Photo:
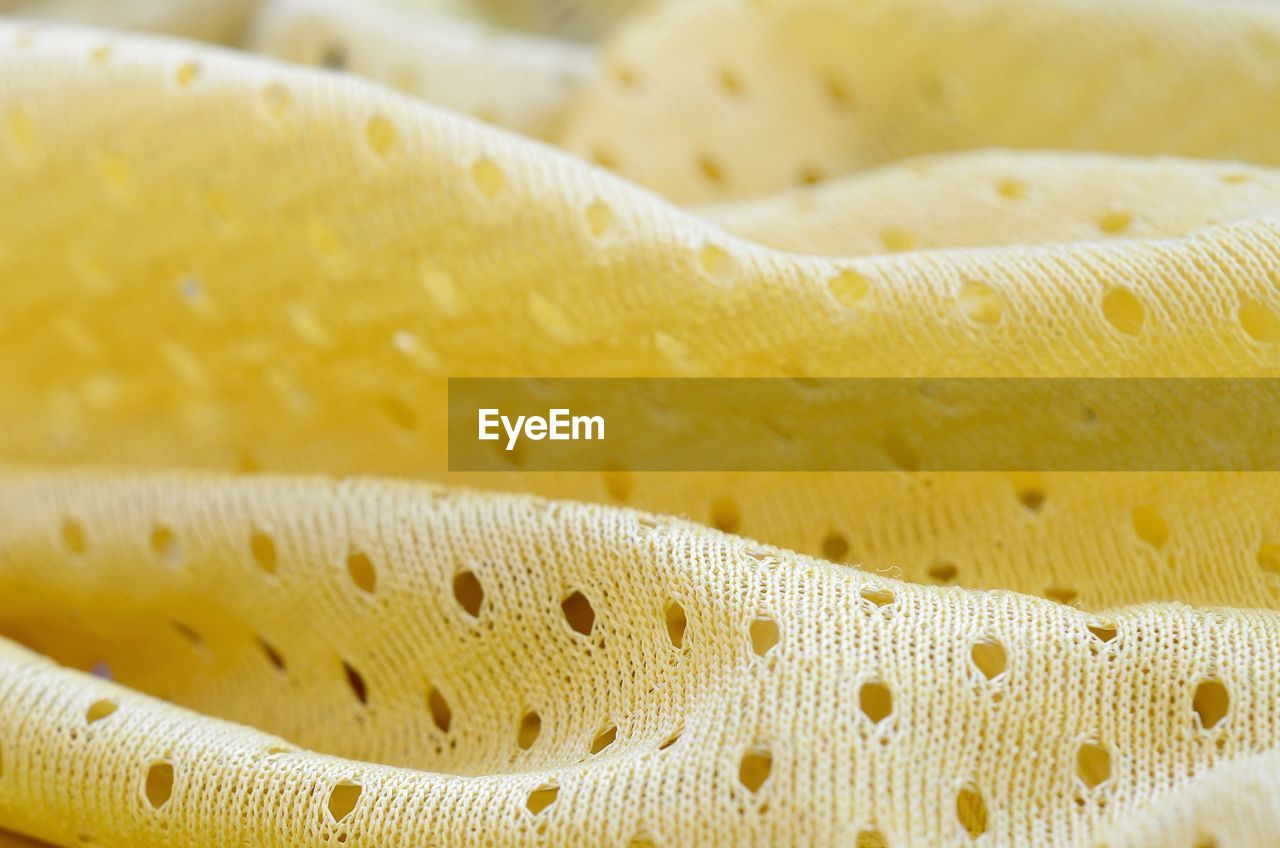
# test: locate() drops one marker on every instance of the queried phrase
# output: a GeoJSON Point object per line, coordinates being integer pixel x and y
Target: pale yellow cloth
{"type": "Point", "coordinates": [517, 81]}
{"type": "Point", "coordinates": [208, 20]}
{"type": "Point", "coordinates": [250, 271]}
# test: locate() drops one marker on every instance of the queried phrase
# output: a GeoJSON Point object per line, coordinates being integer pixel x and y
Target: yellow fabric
{"type": "Point", "coordinates": [849, 693]}
{"type": "Point", "coordinates": [516, 81]}
{"type": "Point", "coordinates": [1002, 197]}
{"type": "Point", "coordinates": [250, 271]}
{"type": "Point", "coordinates": [208, 20]}
{"type": "Point", "coordinates": [775, 93]}
{"type": "Point", "coordinates": [580, 19]}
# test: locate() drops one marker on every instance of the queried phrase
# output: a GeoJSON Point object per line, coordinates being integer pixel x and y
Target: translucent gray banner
{"type": "Point", "coordinates": [864, 424]}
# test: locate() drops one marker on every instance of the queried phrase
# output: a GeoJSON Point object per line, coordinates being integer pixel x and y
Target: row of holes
{"type": "Point", "coordinates": [982, 304]}
{"type": "Point", "coordinates": [756, 766]}
{"type": "Point", "coordinates": [897, 240]}
{"type": "Point", "coordinates": [1210, 701]}
{"type": "Point", "coordinates": [343, 796]}
{"type": "Point", "coordinates": [1210, 704]}
{"type": "Point", "coordinates": [577, 609]}
{"type": "Point", "coordinates": [1092, 764]}
{"type": "Point", "coordinates": [1147, 521]}
{"type": "Point", "coordinates": [841, 98]}
{"type": "Point", "coordinates": [381, 134]}
{"type": "Point", "coordinates": [1122, 309]}
{"type": "Point", "coordinates": [712, 171]}
{"type": "Point", "coordinates": [468, 592]}
{"type": "Point", "coordinates": [1120, 306]}
{"type": "Point", "coordinates": [1149, 525]}
{"type": "Point", "coordinates": [467, 589]}
{"type": "Point", "coordinates": [732, 83]}
{"type": "Point", "coordinates": [575, 606]}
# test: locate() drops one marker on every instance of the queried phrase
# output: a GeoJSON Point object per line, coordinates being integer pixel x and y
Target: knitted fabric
{"type": "Point", "coordinates": [236, 287]}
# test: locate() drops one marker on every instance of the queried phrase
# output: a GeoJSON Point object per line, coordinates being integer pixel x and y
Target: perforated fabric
{"type": "Point", "coordinates": [564, 658]}
{"type": "Point", "coordinates": [261, 271]}
{"type": "Point", "coordinates": [520, 82]}
{"type": "Point", "coordinates": [772, 94]}
{"type": "Point", "coordinates": [1002, 197]}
